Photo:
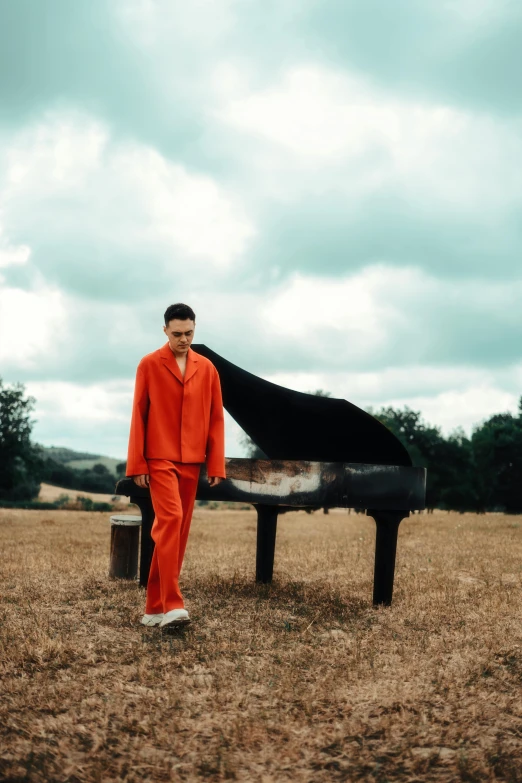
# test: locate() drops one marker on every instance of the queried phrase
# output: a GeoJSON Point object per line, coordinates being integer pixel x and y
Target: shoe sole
{"type": "Point", "coordinates": [175, 624]}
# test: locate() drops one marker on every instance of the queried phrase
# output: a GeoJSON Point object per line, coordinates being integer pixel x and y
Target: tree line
{"type": "Point", "coordinates": [479, 473]}
{"type": "Point", "coordinates": [24, 464]}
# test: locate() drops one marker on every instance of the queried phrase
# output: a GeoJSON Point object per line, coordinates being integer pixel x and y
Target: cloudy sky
{"type": "Point", "coordinates": [335, 187]}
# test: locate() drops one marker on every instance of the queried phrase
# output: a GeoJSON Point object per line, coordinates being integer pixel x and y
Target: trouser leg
{"type": "Point", "coordinates": [173, 488]}
{"type": "Point", "coordinates": [153, 603]}
{"type": "Point", "coordinates": [188, 485]}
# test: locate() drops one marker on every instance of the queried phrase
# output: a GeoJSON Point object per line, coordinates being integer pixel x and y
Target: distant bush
{"type": "Point", "coordinates": [88, 504]}
{"type": "Point", "coordinates": [34, 504]}
{"type": "Point", "coordinates": [102, 507]}
{"type": "Point", "coordinates": [64, 503]}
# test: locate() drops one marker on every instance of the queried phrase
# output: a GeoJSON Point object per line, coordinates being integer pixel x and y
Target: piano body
{"type": "Point", "coordinates": [322, 452]}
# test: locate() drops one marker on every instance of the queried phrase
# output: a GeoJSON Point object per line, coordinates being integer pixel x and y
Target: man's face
{"type": "Point", "coordinates": [180, 334]}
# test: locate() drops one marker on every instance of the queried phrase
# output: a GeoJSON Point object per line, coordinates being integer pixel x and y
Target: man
{"type": "Point", "coordinates": [177, 423]}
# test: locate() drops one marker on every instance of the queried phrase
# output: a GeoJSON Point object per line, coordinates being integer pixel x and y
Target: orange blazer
{"type": "Point", "coordinates": [176, 418]}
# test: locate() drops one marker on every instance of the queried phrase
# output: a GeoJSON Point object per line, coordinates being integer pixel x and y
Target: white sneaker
{"type": "Point", "coordinates": [175, 618]}
{"type": "Point", "coordinates": [152, 619]}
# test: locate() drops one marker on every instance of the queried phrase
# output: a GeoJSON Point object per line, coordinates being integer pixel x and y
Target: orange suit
{"type": "Point", "coordinates": [177, 423]}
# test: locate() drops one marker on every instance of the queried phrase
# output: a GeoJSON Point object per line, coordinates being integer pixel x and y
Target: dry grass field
{"type": "Point", "coordinates": [301, 680]}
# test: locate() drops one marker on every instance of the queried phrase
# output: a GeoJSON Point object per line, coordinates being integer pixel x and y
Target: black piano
{"type": "Point", "coordinates": [321, 453]}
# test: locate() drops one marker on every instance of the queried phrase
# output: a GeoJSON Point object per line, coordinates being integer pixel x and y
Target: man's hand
{"type": "Point", "coordinates": [142, 481]}
{"type": "Point", "coordinates": [214, 480]}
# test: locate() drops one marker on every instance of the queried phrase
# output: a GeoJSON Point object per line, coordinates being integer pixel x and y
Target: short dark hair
{"type": "Point", "coordinates": [180, 311]}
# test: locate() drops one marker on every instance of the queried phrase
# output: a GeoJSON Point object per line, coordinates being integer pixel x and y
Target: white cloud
{"type": "Point", "coordinates": [201, 22]}
{"type": "Point", "coordinates": [335, 129]}
{"type": "Point", "coordinates": [459, 407]}
{"type": "Point", "coordinates": [95, 403]}
{"type": "Point", "coordinates": [389, 316]}
{"type": "Point", "coordinates": [58, 154]}
{"type": "Point", "coordinates": [479, 13]}
{"type": "Point", "coordinates": [68, 186]}
{"type": "Point", "coordinates": [186, 211]}
{"type": "Point", "coordinates": [32, 325]}
{"type": "Point", "coordinates": [371, 388]}
{"type": "Point", "coordinates": [381, 318]}
{"type": "Point", "coordinates": [12, 255]}
{"type": "Point", "coordinates": [93, 417]}
{"type": "Point", "coordinates": [344, 319]}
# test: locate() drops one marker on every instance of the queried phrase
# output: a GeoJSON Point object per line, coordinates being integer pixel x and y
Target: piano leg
{"type": "Point", "coordinates": [266, 538]}
{"type": "Point", "coordinates": [385, 549]}
{"type": "Point", "coordinates": [147, 542]}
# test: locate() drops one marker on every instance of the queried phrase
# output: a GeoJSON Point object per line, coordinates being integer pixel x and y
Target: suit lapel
{"type": "Point", "coordinates": [169, 360]}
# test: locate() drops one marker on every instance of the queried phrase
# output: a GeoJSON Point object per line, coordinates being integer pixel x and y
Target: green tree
{"type": "Point", "coordinates": [497, 450]}
{"type": "Point", "coordinates": [20, 461]}
{"type": "Point", "coordinates": [101, 470]}
{"type": "Point", "coordinates": [456, 473]}
{"type": "Point", "coordinates": [57, 473]}
{"type": "Point", "coordinates": [426, 446]}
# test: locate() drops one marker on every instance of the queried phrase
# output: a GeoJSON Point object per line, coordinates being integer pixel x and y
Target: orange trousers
{"type": "Point", "coordinates": [173, 488]}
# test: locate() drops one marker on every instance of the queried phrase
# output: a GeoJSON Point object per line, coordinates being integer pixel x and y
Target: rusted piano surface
{"type": "Point", "coordinates": [324, 484]}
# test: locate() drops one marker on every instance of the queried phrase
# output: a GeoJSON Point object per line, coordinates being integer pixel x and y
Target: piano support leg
{"type": "Point", "coordinates": [147, 542]}
{"type": "Point", "coordinates": [266, 538]}
{"type": "Point", "coordinates": [385, 549]}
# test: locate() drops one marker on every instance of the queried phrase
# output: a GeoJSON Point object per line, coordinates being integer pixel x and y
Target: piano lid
{"type": "Point", "coordinates": [288, 424]}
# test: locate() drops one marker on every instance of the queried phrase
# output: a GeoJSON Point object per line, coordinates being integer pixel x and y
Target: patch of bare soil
{"type": "Point", "coordinates": [49, 493]}
{"type": "Point", "coordinates": [300, 680]}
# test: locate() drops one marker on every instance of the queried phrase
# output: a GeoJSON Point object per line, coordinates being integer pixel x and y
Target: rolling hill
{"type": "Point", "coordinates": [80, 460]}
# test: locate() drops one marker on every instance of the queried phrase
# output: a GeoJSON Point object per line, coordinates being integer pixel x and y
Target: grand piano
{"type": "Point", "coordinates": [321, 453]}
